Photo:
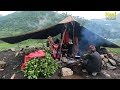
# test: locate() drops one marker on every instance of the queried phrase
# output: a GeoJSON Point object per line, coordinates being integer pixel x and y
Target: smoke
{"type": "Point", "coordinates": [87, 38]}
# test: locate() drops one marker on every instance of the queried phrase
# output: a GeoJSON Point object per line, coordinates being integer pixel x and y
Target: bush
{"type": "Point", "coordinates": [40, 67]}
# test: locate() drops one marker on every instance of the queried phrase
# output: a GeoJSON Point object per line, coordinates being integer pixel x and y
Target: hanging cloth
{"type": "Point", "coordinates": [66, 35]}
{"type": "Point", "coordinates": [66, 38]}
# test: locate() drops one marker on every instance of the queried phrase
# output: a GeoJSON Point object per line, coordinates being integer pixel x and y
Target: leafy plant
{"type": "Point", "coordinates": [40, 67]}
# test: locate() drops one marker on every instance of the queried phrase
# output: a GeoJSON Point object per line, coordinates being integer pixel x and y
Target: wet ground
{"type": "Point", "coordinates": [13, 65]}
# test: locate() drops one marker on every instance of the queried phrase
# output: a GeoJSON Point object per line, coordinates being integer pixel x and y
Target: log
{"type": "Point", "coordinates": [102, 56]}
{"type": "Point", "coordinates": [112, 62]}
{"type": "Point", "coordinates": [105, 60]}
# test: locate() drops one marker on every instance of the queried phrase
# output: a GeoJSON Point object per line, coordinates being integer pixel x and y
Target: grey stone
{"type": "Point", "coordinates": [110, 67]}
{"type": "Point", "coordinates": [71, 62]}
{"type": "Point", "coordinates": [106, 74]}
{"type": "Point", "coordinates": [64, 59]}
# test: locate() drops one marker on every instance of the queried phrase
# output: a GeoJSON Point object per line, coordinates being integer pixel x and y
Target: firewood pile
{"type": "Point", "coordinates": [108, 61]}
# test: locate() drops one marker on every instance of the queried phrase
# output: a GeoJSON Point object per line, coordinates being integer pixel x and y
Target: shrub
{"type": "Point", "coordinates": [40, 67]}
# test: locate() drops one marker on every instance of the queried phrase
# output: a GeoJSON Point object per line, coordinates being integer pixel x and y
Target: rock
{"type": "Point", "coordinates": [13, 49]}
{"type": "Point", "coordinates": [102, 56]}
{"type": "Point", "coordinates": [110, 67]}
{"type": "Point", "coordinates": [71, 62]}
{"type": "Point", "coordinates": [59, 62]}
{"type": "Point", "coordinates": [106, 74]}
{"type": "Point", "coordinates": [116, 74]}
{"type": "Point", "coordinates": [64, 59]}
{"type": "Point", "coordinates": [66, 72]}
{"type": "Point", "coordinates": [112, 62]}
{"type": "Point", "coordinates": [103, 62]}
{"type": "Point", "coordinates": [1, 69]}
{"type": "Point", "coordinates": [2, 64]}
{"type": "Point", "coordinates": [106, 60]}
{"type": "Point", "coordinates": [87, 76]}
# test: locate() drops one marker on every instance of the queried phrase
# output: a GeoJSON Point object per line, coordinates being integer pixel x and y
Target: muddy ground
{"type": "Point", "coordinates": [13, 65]}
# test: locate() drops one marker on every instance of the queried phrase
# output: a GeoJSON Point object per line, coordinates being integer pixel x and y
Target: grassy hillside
{"type": "Point", "coordinates": [26, 21]}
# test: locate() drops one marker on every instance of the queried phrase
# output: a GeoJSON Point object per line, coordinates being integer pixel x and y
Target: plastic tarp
{"type": "Point", "coordinates": [39, 53]}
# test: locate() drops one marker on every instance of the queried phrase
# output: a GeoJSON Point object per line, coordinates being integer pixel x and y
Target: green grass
{"type": "Point", "coordinates": [115, 51]}
{"type": "Point", "coordinates": [5, 46]}
{"type": "Point", "coordinates": [33, 43]}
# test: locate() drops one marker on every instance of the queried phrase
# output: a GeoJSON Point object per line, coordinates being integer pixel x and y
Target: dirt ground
{"type": "Point", "coordinates": [13, 65]}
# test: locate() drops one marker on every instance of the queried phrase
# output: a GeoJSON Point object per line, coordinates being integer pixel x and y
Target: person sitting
{"type": "Point", "coordinates": [94, 62]}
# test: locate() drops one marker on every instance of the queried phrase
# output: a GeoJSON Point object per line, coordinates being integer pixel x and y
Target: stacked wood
{"type": "Point", "coordinates": [107, 61]}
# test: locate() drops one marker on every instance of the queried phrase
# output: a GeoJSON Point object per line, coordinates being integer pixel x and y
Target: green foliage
{"type": "Point", "coordinates": [40, 67]}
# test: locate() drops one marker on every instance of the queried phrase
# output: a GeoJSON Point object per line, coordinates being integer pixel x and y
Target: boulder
{"type": "Point", "coordinates": [110, 67]}
{"type": "Point", "coordinates": [66, 72]}
{"type": "Point", "coordinates": [105, 60]}
{"type": "Point", "coordinates": [2, 64]}
{"type": "Point", "coordinates": [112, 62]}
